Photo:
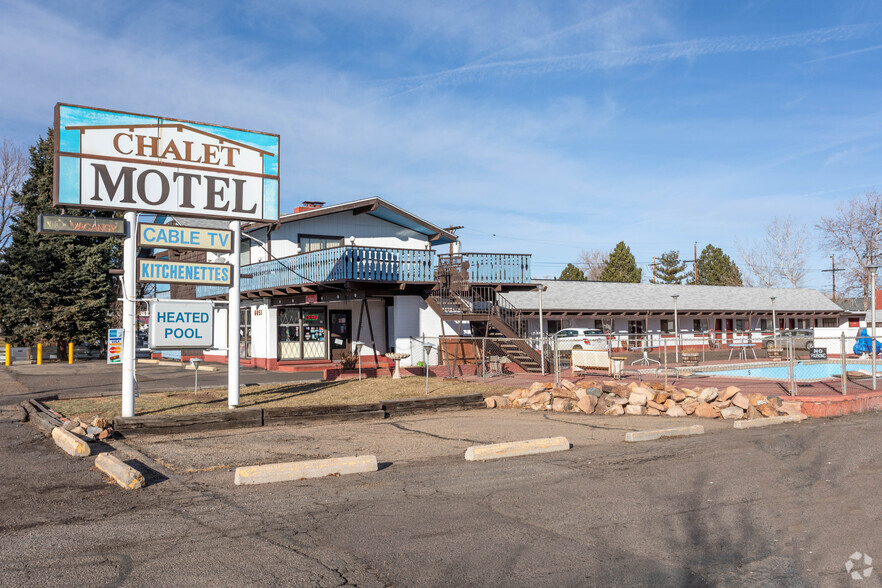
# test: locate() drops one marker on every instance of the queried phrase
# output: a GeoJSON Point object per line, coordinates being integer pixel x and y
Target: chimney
{"type": "Point", "coordinates": [308, 205]}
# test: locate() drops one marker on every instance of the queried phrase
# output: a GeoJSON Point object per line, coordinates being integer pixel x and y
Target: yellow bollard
{"type": "Point", "coordinates": [70, 353]}
{"type": "Point", "coordinates": [8, 354]}
{"type": "Point", "coordinates": [39, 354]}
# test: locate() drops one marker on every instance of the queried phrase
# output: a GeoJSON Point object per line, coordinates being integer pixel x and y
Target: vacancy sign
{"type": "Point", "coordinates": [194, 238]}
{"type": "Point", "coordinates": [120, 161]}
{"type": "Point", "coordinates": [181, 324]}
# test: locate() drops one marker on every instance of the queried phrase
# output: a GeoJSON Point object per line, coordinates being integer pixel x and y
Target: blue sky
{"type": "Point", "coordinates": [544, 128]}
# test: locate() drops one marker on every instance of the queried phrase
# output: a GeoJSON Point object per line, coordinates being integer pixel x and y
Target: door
{"type": "Point", "coordinates": [729, 328]}
{"type": "Point", "coordinates": [341, 333]}
{"type": "Point", "coordinates": [635, 333]}
{"type": "Point", "coordinates": [289, 333]}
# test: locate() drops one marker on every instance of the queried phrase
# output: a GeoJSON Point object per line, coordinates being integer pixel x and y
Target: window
{"type": "Point", "coordinates": [245, 334]}
{"type": "Point", "coordinates": [552, 326]}
{"type": "Point", "coordinates": [603, 325]}
{"type": "Point", "coordinates": [317, 242]}
{"type": "Point", "coordinates": [803, 324]}
{"type": "Point", "coordinates": [698, 326]}
{"type": "Point", "coordinates": [739, 325]}
{"type": "Point", "coordinates": [667, 326]}
{"type": "Point", "coordinates": [765, 325]}
{"type": "Point", "coordinates": [829, 322]}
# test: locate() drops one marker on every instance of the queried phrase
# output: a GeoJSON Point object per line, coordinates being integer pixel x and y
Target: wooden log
{"type": "Point", "coordinates": [286, 415]}
{"type": "Point", "coordinates": [464, 401]}
{"type": "Point", "coordinates": [189, 423]}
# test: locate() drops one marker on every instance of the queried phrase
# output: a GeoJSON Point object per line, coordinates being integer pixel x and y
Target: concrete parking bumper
{"type": "Point", "coordinates": [516, 448]}
{"type": "Point", "coordinates": [124, 475]}
{"type": "Point", "coordinates": [635, 436]}
{"type": "Point", "coordinates": [299, 470]}
{"type": "Point", "coordinates": [768, 421]}
{"type": "Point", "coordinates": [70, 443]}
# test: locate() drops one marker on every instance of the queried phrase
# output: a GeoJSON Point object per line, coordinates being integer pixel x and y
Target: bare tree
{"type": "Point", "coordinates": [779, 258]}
{"type": "Point", "coordinates": [592, 263]}
{"type": "Point", "coordinates": [855, 232]}
{"type": "Point", "coordinates": [13, 171]}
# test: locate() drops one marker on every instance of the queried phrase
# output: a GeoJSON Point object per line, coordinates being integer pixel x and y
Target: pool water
{"type": "Point", "coordinates": [801, 371]}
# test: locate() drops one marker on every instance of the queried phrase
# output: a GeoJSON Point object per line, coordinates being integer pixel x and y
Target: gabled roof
{"type": "Point", "coordinates": [379, 208]}
{"type": "Point", "coordinates": [621, 297]}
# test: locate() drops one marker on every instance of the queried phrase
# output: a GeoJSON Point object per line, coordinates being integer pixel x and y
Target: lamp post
{"type": "Point", "coordinates": [356, 347]}
{"type": "Point", "coordinates": [541, 288]}
{"type": "Point", "coordinates": [774, 323]}
{"type": "Point", "coordinates": [427, 349]}
{"type": "Point", "coordinates": [873, 269]}
{"type": "Point", "coordinates": [676, 330]}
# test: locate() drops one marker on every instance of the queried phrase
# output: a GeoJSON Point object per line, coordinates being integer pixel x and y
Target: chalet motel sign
{"type": "Point", "coordinates": [131, 162]}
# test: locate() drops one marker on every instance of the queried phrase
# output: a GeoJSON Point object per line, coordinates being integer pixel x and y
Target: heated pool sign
{"type": "Point", "coordinates": [181, 324]}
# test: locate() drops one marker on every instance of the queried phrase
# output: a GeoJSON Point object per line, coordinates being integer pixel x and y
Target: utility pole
{"type": "Point", "coordinates": [695, 261]}
{"type": "Point", "coordinates": [653, 270]}
{"type": "Point", "coordinates": [833, 271]}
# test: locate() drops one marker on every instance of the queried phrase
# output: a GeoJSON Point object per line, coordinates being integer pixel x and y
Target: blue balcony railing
{"type": "Point", "coordinates": [487, 268]}
{"type": "Point", "coordinates": [368, 264]}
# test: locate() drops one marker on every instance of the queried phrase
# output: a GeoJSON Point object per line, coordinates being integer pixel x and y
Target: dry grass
{"type": "Point", "coordinates": [344, 392]}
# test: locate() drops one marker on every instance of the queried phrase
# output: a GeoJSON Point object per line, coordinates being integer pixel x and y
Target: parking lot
{"type": "Point", "coordinates": [785, 505]}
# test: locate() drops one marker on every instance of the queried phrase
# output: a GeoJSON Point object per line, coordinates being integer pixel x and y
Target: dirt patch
{"type": "Point", "coordinates": [307, 394]}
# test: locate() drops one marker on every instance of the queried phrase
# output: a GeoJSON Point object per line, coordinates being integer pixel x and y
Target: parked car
{"type": "Point", "coordinates": [569, 339]}
{"type": "Point", "coordinates": [802, 339]}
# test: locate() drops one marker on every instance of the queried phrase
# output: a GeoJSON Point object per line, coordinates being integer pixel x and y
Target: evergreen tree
{"type": "Point", "coordinates": [621, 266]}
{"type": "Point", "coordinates": [53, 287]}
{"type": "Point", "coordinates": [571, 272]}
{"type": "Point", "coordinates": [715, 268]}
{"type": "Point", "coordinates": [670, 269]}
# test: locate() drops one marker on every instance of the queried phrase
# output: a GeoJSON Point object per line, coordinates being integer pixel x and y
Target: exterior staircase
{"type": "Point", "coordinates": [488, 312]}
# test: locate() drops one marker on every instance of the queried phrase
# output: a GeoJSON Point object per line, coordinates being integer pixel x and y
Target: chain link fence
{"type": "Point", "coordinates": [815, 365]}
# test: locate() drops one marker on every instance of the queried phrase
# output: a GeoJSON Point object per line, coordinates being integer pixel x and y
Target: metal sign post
{"type": "Point", "coordinates": [233, 317]}
{"type": "Point", "coordinates": [128, 348]}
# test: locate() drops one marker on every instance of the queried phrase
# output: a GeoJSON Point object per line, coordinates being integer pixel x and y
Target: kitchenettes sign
{"type": "Point", "coordinates": [123, 161]}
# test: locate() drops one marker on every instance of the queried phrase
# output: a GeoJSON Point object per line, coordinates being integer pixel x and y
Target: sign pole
{"type": "Point", "coordinates": [128, 347]}
{"type": "Point", "coordinates": [233, 317]}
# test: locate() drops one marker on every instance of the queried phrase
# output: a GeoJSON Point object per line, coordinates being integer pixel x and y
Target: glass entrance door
{"type": "Point", "coordinates": [289, 333]}
{"type": "Point", "coordinates": [341, 329]}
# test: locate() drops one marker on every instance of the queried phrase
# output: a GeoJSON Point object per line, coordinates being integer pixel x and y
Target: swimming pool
{"type": "Point", "coordinates": [801, 371]}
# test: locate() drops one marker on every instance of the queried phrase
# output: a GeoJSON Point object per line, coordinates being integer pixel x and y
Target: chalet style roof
{"type": "Point", "coordinates": [638, 298]}
{"type": "Point", "coordinates": [379, 208]}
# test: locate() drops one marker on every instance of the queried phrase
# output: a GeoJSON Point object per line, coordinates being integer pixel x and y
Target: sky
{"type": "Point", "coordinates": [546, 128]}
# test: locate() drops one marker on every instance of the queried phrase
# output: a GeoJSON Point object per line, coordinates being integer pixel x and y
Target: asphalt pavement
{"type": "Point", "coordinates": [780, 506]}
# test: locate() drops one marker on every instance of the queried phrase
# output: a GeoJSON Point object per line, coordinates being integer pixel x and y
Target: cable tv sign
{"type": "Point", "coordinates": [115, 160]}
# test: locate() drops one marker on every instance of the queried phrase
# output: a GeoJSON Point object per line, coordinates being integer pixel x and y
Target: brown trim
{"type": "Point", "coordinates": [164, 163]}
{"type": "Point", "coordinates": [179, 126]}
{"type": "Point", "coordinates": [180, 120]}
{"type": "Point", "coordinates": [359, 204]}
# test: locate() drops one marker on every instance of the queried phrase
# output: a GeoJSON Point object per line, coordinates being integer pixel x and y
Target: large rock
{"type": "Point", "coordinates": [78, 431]}
{"type": "Point", "coordinates": [539, 397]}
{"type": "Point", "coordinates": [689, 406]}
{"type": "Point", "coordinates": [721, 404]}
{"type": "Point", "coordinates": [740, 400]}
{"type": "Point", "coordinates": [501, 402]}
{"type": "Point", "coordinates": [587, 404]}
{"type": "Point", "coordinates": [637, 399]}
{"type": "Point", "coordinates": [728, 392]}
{"type": "Point", "coordinates": [106, 433]}
{"type": "Point", "coordinates": [662, 396]}
{"type": "Point", "coordinates": [619, 401]}
{"type": "Point", "coordinates": [646, 391]}
{"type": "Point", "coordinates": [519, 393]}
{"type": "Point", "coordinates": [706, 411]}
{"type": "Point", "coordinates": [593, 391]}
{"type": "Point", "coordinates": [621, 391]}
{"type": "Point", "coordinates": [756, 399]}
{"type": "Point", "coordinates": [669, 403]}
{"type": "Point", "coordinates": [522, 402]}
{"type": "Point", "coordinates": [678, 396]}
{"type": "Point", "coordinates": [732, 413]}
{"type": "Point", "coordinates": [634, 409]}
{"type": "Point", "coordinates": [565, 393]}
{"type": "Point", "coordinates": [614, 410]}
{"type": "Point", "coordinates": [774, 401]}
{"type": "Point", "coordinates": [99, 422]}
{"type": "Point", "coordinates": [536, 387]}
{"type": "Point", "coordinates": [490, 402]}
{"type": "Point", "coordinates": [753, 413]}
{"type": "Point", "coordinates": [676, 411]}
{"type": "Point", "coordinates": [791, 408]}
{"type": "Point", "coordinates": [562, 405]}
{"type": "Point", "coordinates": [656, 406]}
{"type": "Point", "coordinates": [708, 395]}
{"type": "Point", "coordinates": [567, 385]}
{"type": "Point", "coordinates": [70, 425]}
{"type": "Point", "coordinates": [767, 410]}
{"type": "Point", "coordinates": [691, 393]}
